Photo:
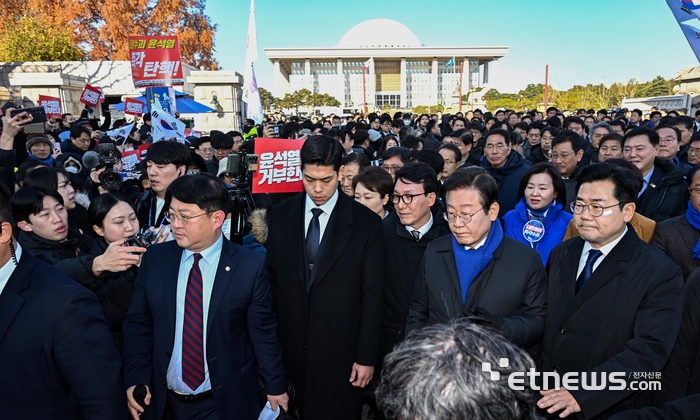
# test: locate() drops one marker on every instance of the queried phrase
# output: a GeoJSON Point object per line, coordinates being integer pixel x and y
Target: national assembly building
{"type": "Point", "coordinates": [401, 71]}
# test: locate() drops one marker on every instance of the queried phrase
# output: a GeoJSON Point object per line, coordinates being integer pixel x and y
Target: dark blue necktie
{"type": "Point", "coordinates": [593, 255]}
{"type": "Point", "coordinates": [313, 238]}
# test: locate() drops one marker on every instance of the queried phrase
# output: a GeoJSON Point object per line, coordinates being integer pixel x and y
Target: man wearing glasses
{"type": "Point", "coordinates": [669, 145]}
{"type": "Point", "coordinates": [614, 302]}
{"type": "Point", "coordinates": [665, 193]}
{"type": "Point", "coordinates": [471, 272]}
{"type": "Point", "coordinates": [201, 324]}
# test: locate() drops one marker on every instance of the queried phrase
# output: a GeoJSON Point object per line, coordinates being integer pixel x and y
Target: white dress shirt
{"type": "Point", "coordinates": [323, 218]}
{"type": "Point", "coordinates": [605, 250]}
{"type": "Point", "coordinates": [9, 268]}
{"type": "Point", "coordinates": [207, 265]}
{"type": "Point", "coordinates": [423, 229]}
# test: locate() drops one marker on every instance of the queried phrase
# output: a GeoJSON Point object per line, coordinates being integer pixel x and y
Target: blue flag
{"type": "Point", "coordinates": [450, 62]}
{"type": "Point", "coordinates": [687, 14]}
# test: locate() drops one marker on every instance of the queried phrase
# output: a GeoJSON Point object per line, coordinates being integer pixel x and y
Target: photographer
{"type": "Point", "coordinates": [113, 219]}
{"type": "Point", "coordinates": [165, 162]}
{"type": "Point", "coordinates": [43, 220]}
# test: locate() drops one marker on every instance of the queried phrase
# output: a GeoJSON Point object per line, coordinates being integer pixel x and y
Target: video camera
{"type": "Point", "coordinates": [106, 157]}
{"type": "Point", "coordinates": [241, 196]}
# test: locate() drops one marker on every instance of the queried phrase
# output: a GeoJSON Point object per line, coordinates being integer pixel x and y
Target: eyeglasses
{"type": "Point", "coordinates": [669, 140]}
{"type": "Point", "coordinates": [450, 162]}
{"type": "Point", "coordinates": [464, 217]}
{"type": "Point", "coordinates": [695, 191]}
{"type": "Point", "coordinates": [406, 198]}
{"type": "Point", "coordinates": [595, 209]}
{"type": "Point", "coordinates": [561, 156]}
{"type": "Point", "coordinates": [206, 149]}
{"type": "Point", "coordinates": [170, 216]}
{"type": "Point", "coordinates": [391, 169]}
{"type": "Point", "coordinates": [499, 146]}
{"type": "Point", "coordinates": [693, 151]}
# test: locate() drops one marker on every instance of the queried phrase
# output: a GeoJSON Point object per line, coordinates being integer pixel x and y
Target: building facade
{"type": "Point", "coordinates": [384, 61]}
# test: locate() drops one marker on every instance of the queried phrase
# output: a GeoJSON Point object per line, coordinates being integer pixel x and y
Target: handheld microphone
{"type": "Point", "coordinates": [91, 159]}
{"type": "Point", "coordinates": [139, 395]}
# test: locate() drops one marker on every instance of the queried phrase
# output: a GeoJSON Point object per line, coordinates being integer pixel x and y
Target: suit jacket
{"type": "Point", "coordinates": [515, 293]}
{"type": "Point", "coordinates": [667, 194]}
{"type": "Point", "coordinates": [338, 321]}
{"type": "Point", "coordinates": [676, 238]}
{"type": "Point", "coordinates": [682, 409]}
{"type": "Point", "coordinates": [241, 328]}
{"type": "Point", "coordinates": [625, 319]}
{"type": "Point", "coordinates": [55, 349]}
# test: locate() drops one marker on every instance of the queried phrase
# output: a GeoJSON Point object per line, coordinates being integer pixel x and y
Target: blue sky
{"type": "Point", "coordinates": [593, 41]}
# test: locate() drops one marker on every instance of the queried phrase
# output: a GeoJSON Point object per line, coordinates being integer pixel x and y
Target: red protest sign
{"type": "Point", "coordinates": [132, 158]}
{"type": "Point", "coordinates": [102, 94]}
{"type": "Point", "coordinates": [90, 96]}
{"type": "Point", "coordinates": [155, 61]}
{"type": "Point", "coordinates": [279, 166]}
{"type": "Point", "coordinates": [51, 105]}
{"type": "Point", "coordinates": [133, 107]}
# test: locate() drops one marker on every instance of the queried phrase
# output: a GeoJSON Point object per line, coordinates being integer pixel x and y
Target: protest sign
{"type": "Point", "coordinates": [155, 61]}
{"type": "Point", "coordinates": [51, 105]}
{"type": "Point", "coordinates": [90, 96]}
{"type": "Point", "coordinates": [133, 107]}
{"type": "Point", "coordinates": [279, 166]}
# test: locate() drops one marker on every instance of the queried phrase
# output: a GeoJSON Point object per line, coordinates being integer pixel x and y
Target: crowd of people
{"type": "Point", "coordinates": [422, 249]}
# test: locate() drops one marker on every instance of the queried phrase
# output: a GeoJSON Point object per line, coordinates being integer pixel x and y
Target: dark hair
{"type": "Point", "coordinates": [385, 140]}
{"type": "Point", "coordinates": [691, 174]}
{"type": "Point", "coordinates": [544, 168]}
{"type": "Point", "coordinates": [620, 123]}
{"type": "Point", "coordinates": [411, 142]}
{"type": "Point", "coordinates": [573, 120]}
{"type": "Point", "coordinates": [403, 153]}
{"type": "Point", "coordinates": [500, 125]}
{"type": "Point", "coordinates": [361, 136]}
{"type": "Point", "coordinates": [554, 122]}
{"type": "Point", "coordinates": [43, 177]}
{"type": "Point", "coordinates": [167, 152]}
{"type": "Point", "coordinates": [77, 130]}
{"type": "Point", "coordinates": [100, 206]}
{"type": "Point", "coordinates": [655, 113]}
{"type": "Point", "coordinates": [336, 134]}
{"type": "Point", "coordinates": [637, 111]}
{"type": "Point", "coordinates": [30, 200]}
{"type": "Point", "coordinates": [220, 140]}
{"type": "Point", "coordinates": [610, 136]}
{"type": "Point", "coordinates": [432, 158]}
{"type": "Point", "coordinates": [419, 173]}
{"type": "Point", "coordinates": [27, 167]}
{"type": "Point", "coordinates": [626, 183]}
{"type": "Point", "coordinates": [384, 118]}
{"type": "Point", "coordinates": [503, 133]}
{"type": "Point", "coordinates": [685, 120]}
{"type": "Point", "coordinates": [515, 138]}
{"type": "Point", "coordinates": [464, 121]}
{"type": "Point", "coordinates": [629, 166]}
{"type": "Point", "coordinates": [477, 178]}
{"type": "Point", "coordinates": [431, 124]}
{"type": "Point", "coordinates": [642, 131]}
{"type": "Point", "coordinates": [522, 125]}
{"type": "Point", "coordinates": [204, 189]}
{"type": "Point", "coordinates": [454, 149]}
{"type": "Point", "coordinates": [199, 141]}
{"type": "Point", "coordinates": [537, 125]}
{"type": "Point", "coordinates": [397, 123]}
{"type": "Point", "coordinates": [147, 117]}
{"type": "Point", "coordinates": [359, 158]}
{"type": "Point", "coordinates": [234, 134]}
{"type": "Point", "coordinates": [571, 137]}
{"type": "Point", "coordinates": [375, 179]}
{"type": "Point", "coordinates": [322, 151]}
{"type": "Point", "coordinates": [464, 135]}
{"type": "Point", "coordinates": [670, 127]}
{"type": "Point", "coordinates": [553, 131]}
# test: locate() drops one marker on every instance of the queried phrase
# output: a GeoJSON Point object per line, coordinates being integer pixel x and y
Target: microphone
{"type": "Point", "coordinates": [91, 160]}
{"type": "Point", "coordinates": [139, 393]}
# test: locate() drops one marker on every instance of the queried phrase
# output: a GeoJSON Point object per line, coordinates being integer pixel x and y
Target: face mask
{"type": "Point", "coordinates": [406, 122]}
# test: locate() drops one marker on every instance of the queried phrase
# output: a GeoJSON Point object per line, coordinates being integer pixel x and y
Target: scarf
{"type": "Point", "coordinates": [471, 262]}
{"type": "Point", "coordinates": [48, 160]}
{"type": "Point", "coordinates": [693, 217]}
{"type": "Point", "coordinates": [539, 214]}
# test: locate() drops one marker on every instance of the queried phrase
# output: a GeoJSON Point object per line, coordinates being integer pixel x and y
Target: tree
{"type": "Point", "coordinates": [266, 98]}
{"type": "Point", "coordinates": [100, 28]}
{"type": "Point", "coordinates": [30, 39]}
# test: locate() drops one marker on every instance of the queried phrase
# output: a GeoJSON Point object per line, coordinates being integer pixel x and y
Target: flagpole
{"type": "Point", "coordinates": [364, 90]}
{"type": "Point", "coordinates": [461, 67]}
{"type": "Point", "coordinates": [546, 86]}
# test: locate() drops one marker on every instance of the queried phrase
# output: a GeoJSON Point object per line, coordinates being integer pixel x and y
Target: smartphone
{"type": "Point", "coordinates": [56, 148]}
{"type": "Point", "coordinates": [35, 114]}
{"type": "Point", "coordinates": [276, 130]}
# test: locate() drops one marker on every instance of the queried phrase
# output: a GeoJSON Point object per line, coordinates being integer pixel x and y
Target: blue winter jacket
{"type": "Point", "coordinates": [554, 227]}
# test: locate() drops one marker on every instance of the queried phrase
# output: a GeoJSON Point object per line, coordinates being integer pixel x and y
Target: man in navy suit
{"type": "Point", "coordinates": [57, 356]}
{"type": "Point", "coordinates": [201, 321]}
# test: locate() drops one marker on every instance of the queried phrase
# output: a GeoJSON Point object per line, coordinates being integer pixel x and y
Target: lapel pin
{"type": "Point", "coordinates": [228, 268]}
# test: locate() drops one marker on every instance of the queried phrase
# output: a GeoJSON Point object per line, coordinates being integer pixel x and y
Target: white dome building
{"type": "Point", "coordinates": [398, 69]}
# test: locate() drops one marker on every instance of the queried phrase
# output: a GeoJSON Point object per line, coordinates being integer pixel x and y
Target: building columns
{"type": "Point", "coordinates": [434, 82]}
{"type": "Point", "coordinates": [404, 93]}
{"type": "Point", "coordinates": [486, 72]}
{"type": "Point", "coordinates": [308, 77]}
{"type": "Point", "coordinates": [341, 83]}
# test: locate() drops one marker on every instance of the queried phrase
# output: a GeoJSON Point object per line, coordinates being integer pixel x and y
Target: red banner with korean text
{"type": "Point", "coordinates": [155, 61]}
{"type": "Point", "coordinates": [279, 166]}
{"type": "Point", "coordinates": [133, 107]}
{"type": "Point", "coordinates": [90, 95]}
{"type": "Point", "coordinates": [52, 106]}
{"type": "Point", "coordinates": [132, 158]}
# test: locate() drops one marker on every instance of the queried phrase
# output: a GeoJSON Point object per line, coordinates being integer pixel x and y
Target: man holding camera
{"type": "Point", "coordinates": [165, 162]}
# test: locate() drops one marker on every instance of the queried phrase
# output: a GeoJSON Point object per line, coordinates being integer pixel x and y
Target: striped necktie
{"type": "Point", "coordinates": [193, 329]}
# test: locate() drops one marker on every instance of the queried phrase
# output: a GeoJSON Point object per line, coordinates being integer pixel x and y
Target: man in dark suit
{"type": "Point", "coordinates": [201, 321]}
{"type": "Point", "coordinates": [57, 356]}
{"type": "Point", "coordinates": [325, 257]}
{"type": "Point", "coordinates": [614, 302]}
{"type": "Point", "coordinates": [678, 237]}
{"type": "Point", "coordinates": [477, 271]}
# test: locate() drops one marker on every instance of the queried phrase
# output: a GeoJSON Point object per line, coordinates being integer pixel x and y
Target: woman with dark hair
{"type": "Point", "coordinates": [113, 219]}
{"type": "Point", "coordinates": [373, 188]}
{"type": "Point", "coordinates": [388, 142]}
{"type": "Point", "coordinates": [57, 179]}
{"type": "Point", "coordinates": [539, 219]}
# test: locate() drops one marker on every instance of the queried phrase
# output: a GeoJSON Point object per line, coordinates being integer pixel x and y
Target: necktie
{"type": "Point", "coordinates": [593, 255]}
{"type": "Point", "coordinates": [193, 329]}
{"type": "Point", "coordinates": [416, 235]}
{"type": "Point", "coordinates": [313, 237]}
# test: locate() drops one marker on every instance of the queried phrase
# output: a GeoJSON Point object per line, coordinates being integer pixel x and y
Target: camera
{"type": "Point", "coordinates": [234, 162]}
{"type": "Point", "coordinates": [109, 179]}
{"type": "Point", "coordinates": [143, 240]}
{"type": "Point", "coordinates": [35, 120]}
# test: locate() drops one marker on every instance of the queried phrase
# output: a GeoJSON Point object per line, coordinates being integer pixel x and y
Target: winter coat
{"type": "Point", "coordinates": [555, 224]}
{"type": "Point", "coordinates": [508, 179]}
{"type": "Point", "coordinates": [666, 195]}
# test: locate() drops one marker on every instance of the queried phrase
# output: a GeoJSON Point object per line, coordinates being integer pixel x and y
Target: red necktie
{"type": "Point", "coordinates": [193, 329]}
